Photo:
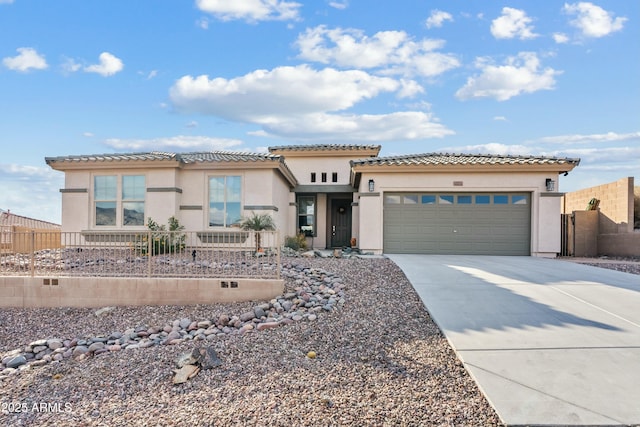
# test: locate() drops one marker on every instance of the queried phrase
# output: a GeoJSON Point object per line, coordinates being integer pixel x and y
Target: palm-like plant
{"type": "Point", "coordinates": [258, 223]}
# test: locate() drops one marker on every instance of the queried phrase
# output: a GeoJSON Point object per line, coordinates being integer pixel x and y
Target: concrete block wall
{"type": "Point", "coordinates": [18, 291]}
{"type": "Point", "coordinates": [616, 204]}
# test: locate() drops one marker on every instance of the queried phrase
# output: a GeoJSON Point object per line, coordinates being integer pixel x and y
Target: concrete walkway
{"type": "Point", "coordinates": [549, 342]}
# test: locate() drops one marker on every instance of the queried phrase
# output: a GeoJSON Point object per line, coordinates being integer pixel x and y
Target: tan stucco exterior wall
{"type": "Point", "coordinates": [182, 193]}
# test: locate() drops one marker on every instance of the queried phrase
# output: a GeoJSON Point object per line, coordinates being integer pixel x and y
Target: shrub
{"type": "Point", "coordinates": [296, 242]}
{"type": "Point", "coordinates": [163, 241]}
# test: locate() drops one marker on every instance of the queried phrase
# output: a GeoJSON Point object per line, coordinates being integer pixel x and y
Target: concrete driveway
{"type": "Point", "coordinates": [549, 342]}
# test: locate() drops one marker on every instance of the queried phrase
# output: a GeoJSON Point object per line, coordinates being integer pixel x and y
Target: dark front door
{"type": "Point", "coordinates": [340, 226]}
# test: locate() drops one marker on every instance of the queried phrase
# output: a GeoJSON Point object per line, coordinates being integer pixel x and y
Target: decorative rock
{"type": "Point", "coordinates": [267, 325]}
{"type": "Point", "coordinates": [39, 348]}
{"type": "Point", "coordinates": [96, 346]}
{"type": "Point", "coordinates": [55, 344]}
{"type": "Point", "coordinates": [38, 343]}
{"type": "Point", "coordinates": [259, 312]}
{"type": "Point", "coordinates": [245, 317]}
{"type": "Point", "coordinates": [246, 328]}
{"type": "Point", "coordinates": [103, 311]}
{"type": "Point", "coordinates": [185, 373]}
{"type": "Point", "coordinates": [16, 361]}
{"type": "Point", "coordinates": [79, 350]}
{"type": "Point", "coordinates": [184, 323]}
{"type": "Point", "coordinates": [223, 320]}
{"type": "Point", "coordinates": [205, 324]}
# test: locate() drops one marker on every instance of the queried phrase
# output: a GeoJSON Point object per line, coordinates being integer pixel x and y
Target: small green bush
{"type": "Point", "coordinates": [163, 241]}
{"type": "Point", "coordinates": [296, 242]}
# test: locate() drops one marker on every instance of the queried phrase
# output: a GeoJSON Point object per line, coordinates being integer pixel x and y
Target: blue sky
{"type": "Point", "coordinates": [556, 78]}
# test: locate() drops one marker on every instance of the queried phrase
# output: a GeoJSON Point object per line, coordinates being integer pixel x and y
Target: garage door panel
{"type": "Point", "coordinates": [467, 228]}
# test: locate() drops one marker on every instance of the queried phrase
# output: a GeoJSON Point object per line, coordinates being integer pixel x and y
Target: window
{"type": "Point", "coordinates": [483, 199]}
{"type": "Point", "coordinates": [324, 177]}
{"type": "Point", "coordinates": [105, 193]}
{"type": "Point", "coordinates": [225, 195]}
{"type": "Point", "coordinates": [500, 199]}
{"type": "Point", "coordinates": [464, 200]}
{"type": "Point", "coordinates": [131, 202]}
{"type": "Point", "coordinates": [445, 200]}
{"type": "Point", "coordinates": [410, 200]}
{"type": "Point", "coordinates": [133, 191]}
{"type": "Point", "coordinates": [391, 199]}
{"type": "Point", "coordinates": [334, 177]}
{"type": "Point", "coordinates": [428, 199]}
{"type": "Point", "coordinates": [313, 177]}
{"type": "Point", "coordinates": [519, 200]}
{"type": "Point", "coordinates": [307, 215]}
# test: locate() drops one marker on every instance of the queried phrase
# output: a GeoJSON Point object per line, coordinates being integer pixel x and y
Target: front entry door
{"type": "Point", "coordinates": [340, 226]}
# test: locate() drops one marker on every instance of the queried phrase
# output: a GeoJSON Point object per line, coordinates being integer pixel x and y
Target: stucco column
{"type": "Point", "coordinates": [370, 222]}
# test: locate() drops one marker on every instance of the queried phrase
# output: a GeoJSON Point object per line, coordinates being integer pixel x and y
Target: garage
{"type": "Point", "coordinates": [457, 223]}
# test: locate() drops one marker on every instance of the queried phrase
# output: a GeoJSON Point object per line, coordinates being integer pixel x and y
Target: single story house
{"type": "Point", "coordinates": [425, 203]}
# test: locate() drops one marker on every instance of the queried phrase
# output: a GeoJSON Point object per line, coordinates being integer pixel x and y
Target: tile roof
{"type": "Point", "coordinates": [325, 147]}
{"type": "Point", "coordinates": [8, 218]}
{"type": "Point", "coordinates": [464, 159]}
{"type": "Point", "coordinates": [210, 156]}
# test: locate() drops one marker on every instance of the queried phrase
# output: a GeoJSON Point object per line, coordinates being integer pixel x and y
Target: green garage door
{"type": "Point", "coordinates": [457, 223]}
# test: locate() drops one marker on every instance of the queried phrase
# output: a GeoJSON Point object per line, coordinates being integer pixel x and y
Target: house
{"type": "Point", "coordinates": [426, 203]}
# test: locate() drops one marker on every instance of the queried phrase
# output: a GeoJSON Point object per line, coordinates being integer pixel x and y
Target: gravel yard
{"type": "Point", "coordinates": [380, 361]}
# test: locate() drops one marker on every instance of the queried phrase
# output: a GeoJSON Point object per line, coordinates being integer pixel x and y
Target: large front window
{"type": "Point", "coordinates": [307, 215]}
{"type": "Point", "coordinates": [225, 195]}
{"type": "Point", "coordinates": [131, 189]}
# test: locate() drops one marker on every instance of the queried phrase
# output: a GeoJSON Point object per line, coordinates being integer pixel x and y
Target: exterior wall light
{"type": "Point", "coordinates": [551, 184]}
{"type": "Point", "coordinates": [372, 186]}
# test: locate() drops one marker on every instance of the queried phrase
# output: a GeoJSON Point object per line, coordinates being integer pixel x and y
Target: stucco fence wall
{"type": "Point", "coordinates": [614, 230]}
{"type": "Point", "coordinates": [18, 291]}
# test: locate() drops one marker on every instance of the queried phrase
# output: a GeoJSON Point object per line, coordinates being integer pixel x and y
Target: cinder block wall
{"type": "Point", "coordinates": [616, 205]}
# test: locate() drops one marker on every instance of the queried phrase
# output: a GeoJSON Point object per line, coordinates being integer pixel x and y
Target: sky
{"type": "Point", "coordinates": [553, 78]}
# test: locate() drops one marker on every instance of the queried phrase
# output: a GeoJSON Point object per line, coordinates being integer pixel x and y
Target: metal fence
{"type": "Point", "coordinates": [227, 253]}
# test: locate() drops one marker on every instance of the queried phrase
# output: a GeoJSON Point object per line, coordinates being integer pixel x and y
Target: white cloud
{"type": "Point", "coordinates": [203, 23]}
{"type": "Point", "coordinates": [491, 148]}
{"type": "Point", "coordinates": [301, 103]}
{"type": "Point", "coordinates": [175, 143]}
{"type": "Point", "coordinates": [560, 38]}
{"type": "Point", "coordinates": [263, 96]}
{"type": "Point", "coordinates": [592, 20]}
{"type": "Point", "coordinates": [592, 138]}
{"type": "Point", "coordinates": [192, 124]}
{"type": "Point", "coordinates": [27, 59]}
{"type": "Point", "coordinates": [520, 74]}
{"type": "Point", "coordinates": [500, 119]}
{"type": "Point", "coordinates": [88, 134]}
{"type": "Point", "coordinates": [108, 66]}
{"type": "Point", "coordinates": [251, 10]}
{"type": "Point", "coordinates": [398, 126]}
{"type": "Point", "coordinates": [512, 23]}
{"type": "Point", "coordinates": [437, 18]}
{"type": "Point", "coordinates": [602, 157]}
{"type": "Point", "coordinates": [389, 52]}
{"type": "Point", "coordinates": [6, 1]}
{"type": "Point", "coordinates": [69, 65]}
{"type": "Point", "coordinates": [339, 5]}
{"type": "Point", "coordinates": [31, 191]}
